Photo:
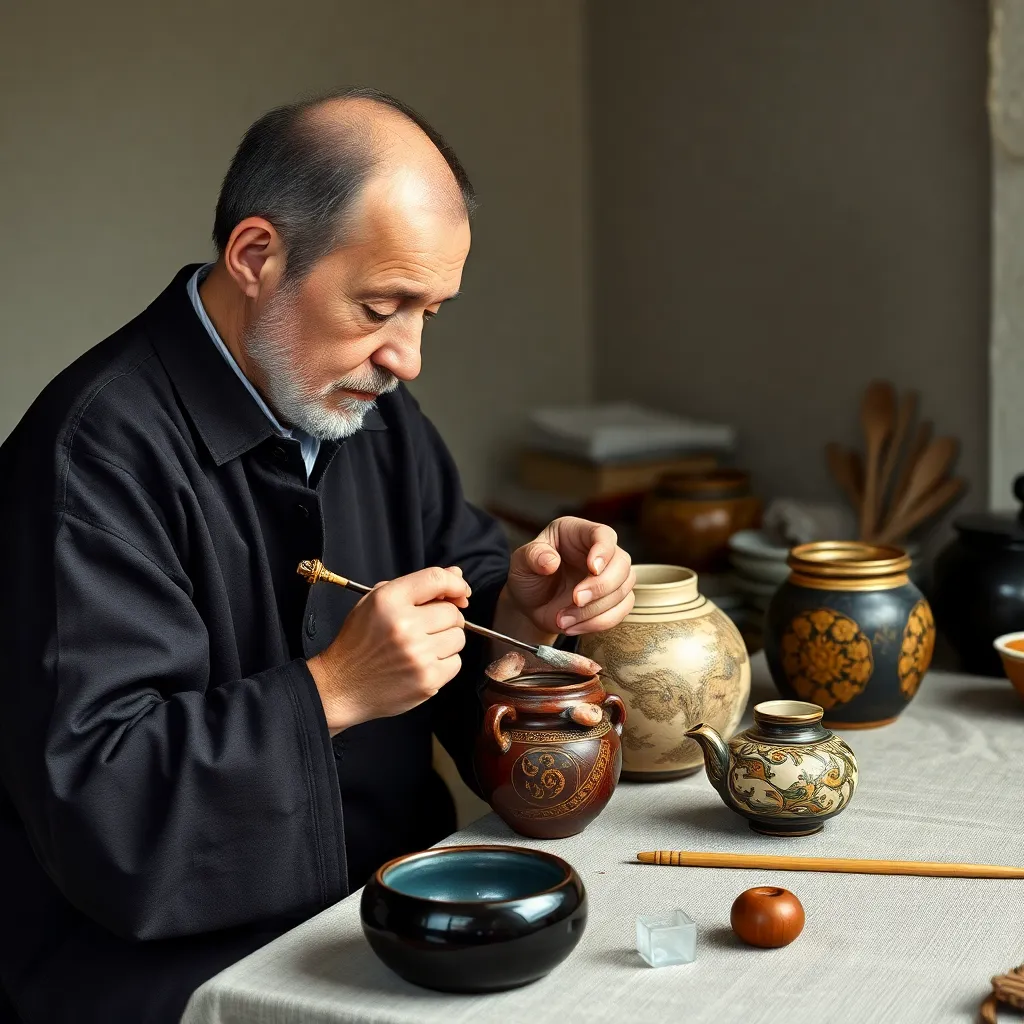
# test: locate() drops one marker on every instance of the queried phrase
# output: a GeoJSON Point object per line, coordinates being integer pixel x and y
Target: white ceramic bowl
{"type": "Point", "coordinates": [761, 569]}
{"type": "Point", "coordinates": [753, 544]}
{"type": "Point", "coordinates": [756, 588]}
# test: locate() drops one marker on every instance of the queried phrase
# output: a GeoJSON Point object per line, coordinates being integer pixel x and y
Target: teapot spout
{"type": "Point", "coordinates": [716, 757]}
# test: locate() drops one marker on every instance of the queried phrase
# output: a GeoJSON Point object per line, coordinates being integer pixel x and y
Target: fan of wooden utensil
{"type": "Point", "coordinates": [896, 485]}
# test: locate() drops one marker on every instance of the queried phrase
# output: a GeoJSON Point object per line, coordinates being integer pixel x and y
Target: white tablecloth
{"type": "Point", "coordinates": [945, 782]}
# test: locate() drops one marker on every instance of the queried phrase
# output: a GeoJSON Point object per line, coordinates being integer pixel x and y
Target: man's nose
{"type": "Point", "coordinates": [401, 353]}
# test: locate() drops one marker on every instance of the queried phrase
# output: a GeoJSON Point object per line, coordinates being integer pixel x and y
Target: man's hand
{"type": "Point", "coordinates": [398, 646]}
{"type": "Point", "coordinates": [572, 578]}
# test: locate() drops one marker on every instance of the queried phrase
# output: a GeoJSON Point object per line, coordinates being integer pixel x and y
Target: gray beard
{"type": "Point", "coordinates": [326, 414]}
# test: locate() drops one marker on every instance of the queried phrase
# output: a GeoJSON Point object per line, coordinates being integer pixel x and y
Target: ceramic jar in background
{"type": "Point", "coordinates": [545, 775]}
{"type": "Point", "coordinates": [675, 660]}
{"type": "Point", "coordinates": [849, 631]}
{"type": "Point", "coordinates": [978, 585]}
{"type": "Point", "coordinates": [688, 518]}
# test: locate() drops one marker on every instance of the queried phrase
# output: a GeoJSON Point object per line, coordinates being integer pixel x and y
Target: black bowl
{"type": "Point", "coordinates": [474, 918]}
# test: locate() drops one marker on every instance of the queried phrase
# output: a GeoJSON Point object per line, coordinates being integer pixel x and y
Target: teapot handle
{"type": "Point", "coordinates": [493, 717]}
{"type": "Point", "coordinates": [616, 711]}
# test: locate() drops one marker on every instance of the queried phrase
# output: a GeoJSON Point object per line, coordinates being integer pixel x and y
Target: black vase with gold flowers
{"type": "Point", "coordinates": [849, 631]}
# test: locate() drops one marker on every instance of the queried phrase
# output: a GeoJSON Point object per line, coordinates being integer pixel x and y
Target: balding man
{"type": "Point", "coordinates": [198, 750]}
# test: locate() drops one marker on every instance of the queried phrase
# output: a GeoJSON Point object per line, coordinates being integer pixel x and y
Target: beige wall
{"type": "Point", "coordinates": [118, 119]}
{"type": "Point", "coordinates": [788, 199]}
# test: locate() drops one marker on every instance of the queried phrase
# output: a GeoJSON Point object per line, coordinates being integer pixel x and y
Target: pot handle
{"type": "Point", "coordinates": [616, 711]}
{"type": "Point", "coordinates": [493, 717]}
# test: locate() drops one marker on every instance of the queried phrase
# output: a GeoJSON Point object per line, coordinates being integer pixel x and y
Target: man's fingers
{"type": "Point", "coordinates": [449, 642]}
{"type": "Point", "coordinates": [595, 543]}
{"type": "Point", "coordinates": [606, 620]}
{"type": "Point", "coordinates": [538, 557]}
{"type": "Point", "coordinates": [617, 576]}
{"type": "Point", "coordinates": [439, 616]}
{"type": "Point", "coordinates": [603, 548]}
{"type": "Point", "coordinates": [573, 616]}
{"type": "Point", "coordinates": [433, 584]}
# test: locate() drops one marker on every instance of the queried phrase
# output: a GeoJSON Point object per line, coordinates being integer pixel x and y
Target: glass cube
{"type": "Point", "coordinates": [666, 939]}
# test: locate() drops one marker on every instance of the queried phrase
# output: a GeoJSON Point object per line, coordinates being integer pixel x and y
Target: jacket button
{"type": "Point", "coordinates": [279, 453]}
{"type": "Point", "coordinates": [311, 624]}
{"type": "Point", "coordinates": [302, 510]}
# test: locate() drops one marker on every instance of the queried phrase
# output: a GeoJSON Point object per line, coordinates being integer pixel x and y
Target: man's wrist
{"type": "Point", "coordinates": [336, 712]}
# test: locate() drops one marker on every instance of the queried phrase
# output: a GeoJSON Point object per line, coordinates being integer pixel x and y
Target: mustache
{"type": "Point", "coordinates": [378, 382]}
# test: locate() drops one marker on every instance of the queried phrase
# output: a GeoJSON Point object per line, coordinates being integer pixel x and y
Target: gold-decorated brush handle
{"type": "Point", "coordinates": [313, 570]}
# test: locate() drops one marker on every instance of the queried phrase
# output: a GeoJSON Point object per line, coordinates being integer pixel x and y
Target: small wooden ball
{"type": "Point", "coordinates": [767, 916]}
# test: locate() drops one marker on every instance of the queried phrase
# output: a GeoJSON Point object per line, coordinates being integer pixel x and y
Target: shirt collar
{"type": "Point", "coordinates": [309, 445]}
{"type": "Point", "coordinates": [225, 416]}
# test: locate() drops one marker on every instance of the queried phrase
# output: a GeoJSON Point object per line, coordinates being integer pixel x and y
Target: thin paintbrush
{"type": "Point", "coordinates": [313, 570]}
{"type": "Point", "coordinates": [693, 859]}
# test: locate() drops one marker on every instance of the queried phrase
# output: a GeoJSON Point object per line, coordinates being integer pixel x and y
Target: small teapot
{"type": "Point", "coordinates": [787, 774]}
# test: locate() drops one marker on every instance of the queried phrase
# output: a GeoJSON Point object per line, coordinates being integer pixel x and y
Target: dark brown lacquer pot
{"type": "Point", "coordinates": [688, 518]}
{"type": "Point", "coordinates": [548, 756]}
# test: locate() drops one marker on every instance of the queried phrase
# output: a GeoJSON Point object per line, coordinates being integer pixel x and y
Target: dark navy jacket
{"type": "Point", "coordinates": [169, 796]}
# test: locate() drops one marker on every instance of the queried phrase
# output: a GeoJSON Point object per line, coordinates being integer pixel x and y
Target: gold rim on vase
{"type": "Point", "coordinates": [848, 565]}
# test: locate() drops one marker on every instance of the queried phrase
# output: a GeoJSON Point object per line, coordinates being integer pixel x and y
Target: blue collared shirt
{"type": "Point", "coordinates": [310, 446]}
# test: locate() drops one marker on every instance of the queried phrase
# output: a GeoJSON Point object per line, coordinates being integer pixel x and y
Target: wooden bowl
{"type": "Point", "coordinates": [1011, 650]}
{"type": "Point", "coordinates": [474, 918]}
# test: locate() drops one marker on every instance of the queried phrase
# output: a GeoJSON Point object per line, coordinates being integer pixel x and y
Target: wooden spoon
{"type": "Point", "coordinates": [917, 446]}
{"type": "Point", "coordinates": [928, 471]}
{"type": "Point", "coordinates": [907, 407]}
{"type": "Point", "coordinates": [933, 502]}
{"type": "Point", "coordinates": [846, 470]}
{"type": "Point", "coordinates": [877, 415]}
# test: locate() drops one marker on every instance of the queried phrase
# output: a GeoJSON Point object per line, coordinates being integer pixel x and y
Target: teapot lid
{"type": "Point", "coordinates": [997, 526]}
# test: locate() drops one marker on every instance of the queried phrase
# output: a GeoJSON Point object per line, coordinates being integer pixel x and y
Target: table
{"type": "Point", "coordinates": [944, 782]}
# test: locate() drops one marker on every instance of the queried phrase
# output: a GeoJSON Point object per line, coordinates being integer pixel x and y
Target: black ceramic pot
{"type": "Point", "coordinates": [978, 585]}
{"type": "Point", "coordinates": [849, 631]}
{"type": "Point", "coordinates": [474, 918]}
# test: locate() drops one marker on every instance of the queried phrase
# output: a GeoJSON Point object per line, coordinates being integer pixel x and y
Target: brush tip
{"type": "Point", "coordinates": [568, 661]}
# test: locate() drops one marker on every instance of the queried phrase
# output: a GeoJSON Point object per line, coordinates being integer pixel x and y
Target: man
{"type": "Point", "coordinates": [198, 750]}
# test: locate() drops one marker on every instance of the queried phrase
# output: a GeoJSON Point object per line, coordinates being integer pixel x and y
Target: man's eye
{"type": "Point", "coordinates": [429, 314]}
{"type": "Point", "coordinates": [375, 316]}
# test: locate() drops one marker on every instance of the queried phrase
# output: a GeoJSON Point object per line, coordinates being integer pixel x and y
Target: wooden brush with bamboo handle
{"type": "Point", "coordinates": [935, 869]}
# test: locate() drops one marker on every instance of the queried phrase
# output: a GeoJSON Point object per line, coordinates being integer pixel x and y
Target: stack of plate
{"type": "Point", "coordinates": [759, 568]}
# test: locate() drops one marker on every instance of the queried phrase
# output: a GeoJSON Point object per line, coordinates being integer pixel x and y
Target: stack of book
{"type": "Point", "coordinates": [598, 461]}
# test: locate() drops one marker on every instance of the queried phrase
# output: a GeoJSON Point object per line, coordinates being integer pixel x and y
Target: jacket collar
{"type": "Point", "coordinates": [226, 417]}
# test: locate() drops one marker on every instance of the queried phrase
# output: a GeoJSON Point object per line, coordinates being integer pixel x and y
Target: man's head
{"type": "Point", "coordinates": [342, 225]}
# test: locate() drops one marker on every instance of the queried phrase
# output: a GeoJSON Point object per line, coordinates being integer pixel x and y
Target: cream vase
{"type": "Point", "coordinates": [676, 660]}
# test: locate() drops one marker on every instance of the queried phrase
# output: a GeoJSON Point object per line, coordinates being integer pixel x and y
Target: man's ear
{"type": "Point", "coordinates": [254, 256]}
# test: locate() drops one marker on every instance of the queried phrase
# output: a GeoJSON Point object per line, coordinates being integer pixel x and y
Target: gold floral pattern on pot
{"type": "Point", "coordinates": [917, 648]}
{"type": "Point", "coordinates": [826, 657]}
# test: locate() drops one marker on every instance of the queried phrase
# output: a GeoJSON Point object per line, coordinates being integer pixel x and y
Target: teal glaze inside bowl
{"type": "Point", "coordinates": [471, 876]}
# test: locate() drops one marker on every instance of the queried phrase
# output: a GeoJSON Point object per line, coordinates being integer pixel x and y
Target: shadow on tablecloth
{"type": "Point", "coordinates": [348, 962]}
{"type": "Point", "coordinates": [714, 820]}
{"type": "Point", "coordinates": [981, 699]}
